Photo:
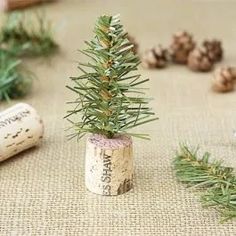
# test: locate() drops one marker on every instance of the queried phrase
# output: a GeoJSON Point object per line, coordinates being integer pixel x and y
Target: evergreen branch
{"type": "Point", "coordinates": [15, 81]}
{"type": "Point", "coordinates": [218, 183]}
{"type": "Point", "coordinates": [20, 36]}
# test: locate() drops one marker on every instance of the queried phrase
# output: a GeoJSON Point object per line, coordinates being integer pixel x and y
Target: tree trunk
{"type": "Point", "coordinates": [109, 165]}
{"type": "Point", "coordinates": [20, 129]}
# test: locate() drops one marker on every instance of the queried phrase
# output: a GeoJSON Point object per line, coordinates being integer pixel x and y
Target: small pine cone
{"type": "Point", "coordinates": [182, 44]}
{"type": "Point", "coordinates": [198, 60]}
{"type": "Point", "coordinates": [155, 58]}
{"type": "Point", "coordinates": [134, 42]}
{"type": "Point", "coordinates": [223, 80]}
{"type": "Point", "coordinates": [214, 49]}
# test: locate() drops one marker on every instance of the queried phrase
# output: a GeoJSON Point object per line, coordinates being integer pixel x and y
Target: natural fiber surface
{"type": "Point", "coordinates": [42, 191]}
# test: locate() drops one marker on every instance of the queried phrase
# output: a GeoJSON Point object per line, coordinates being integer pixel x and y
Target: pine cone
{"type": "Point", "coordinates": [198, 60]}
{"type": "Point", "coordinates": [134, 42]}
{"type": "Point", "coordinates": [155, 58]}
{"type": "Point", "coordinates": [182, 44]}
{"type": "Point", "coordinates": [214, 49]}
{"type": "Point", "coordinates": [223, 80]}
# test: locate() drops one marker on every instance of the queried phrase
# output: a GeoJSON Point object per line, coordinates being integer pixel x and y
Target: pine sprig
{"type": "Point", "coordinates": [109, 100]}
{"type": "Point", "coordinates": [15, 81]}
{"type": "Point", "coordinates": [21, 35]}
{"type": "Point", "coordinates": [26, 35]}
{"type": "Point", "coordinates": [218, 183]}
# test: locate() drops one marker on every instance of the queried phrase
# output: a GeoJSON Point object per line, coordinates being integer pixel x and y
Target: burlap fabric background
{"type": "Point", "coordinates": [42, 191]}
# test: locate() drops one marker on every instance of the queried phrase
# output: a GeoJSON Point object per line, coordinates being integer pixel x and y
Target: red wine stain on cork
{"type": "Point", "coordinates": [114, 143]}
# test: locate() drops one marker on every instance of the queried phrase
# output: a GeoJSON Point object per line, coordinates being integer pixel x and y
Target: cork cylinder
{"type": "Point", "coordinates": [8, 5]}
{"type": "Point", "coordinates": [109, 165]}
{"type": "Point", "coordinates": [20, 128]}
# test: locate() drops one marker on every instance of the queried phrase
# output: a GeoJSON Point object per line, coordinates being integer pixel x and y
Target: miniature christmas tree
{"type": "Point", "coordinates": [110, 100]}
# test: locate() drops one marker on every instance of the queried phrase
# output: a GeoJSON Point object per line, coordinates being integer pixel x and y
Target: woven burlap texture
{"type": "Point", "coordinates": [42, 191]}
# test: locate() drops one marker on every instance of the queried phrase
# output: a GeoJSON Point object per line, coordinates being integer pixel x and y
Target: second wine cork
{"type": "Point", "coordinates": [8, 5]}
{"type": "Point", "coordinates": [20, 128]}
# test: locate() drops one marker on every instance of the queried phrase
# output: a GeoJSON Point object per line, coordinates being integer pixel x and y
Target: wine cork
{"type": "Point", "coordinates": [109, 165]}
{"type": "Point", "coordinates": [20, 128]}
{"type": "Point", "coordinates": [8, 5]}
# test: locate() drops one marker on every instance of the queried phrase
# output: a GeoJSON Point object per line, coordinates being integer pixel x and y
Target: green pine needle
{"type": "Point", "coordinates": [109, 91]}
{"type": "Point", "coordinates": [26, 35]}
{"type": "Point", "coordinates": [15, 81]}
{"type": "Point", "coordinates": [218, 183]}
{"type": "Point", "coordinates": [21, 35]}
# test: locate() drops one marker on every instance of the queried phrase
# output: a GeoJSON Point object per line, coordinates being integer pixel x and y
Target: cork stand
{"type": "Point", "coordinates": [109, 165]}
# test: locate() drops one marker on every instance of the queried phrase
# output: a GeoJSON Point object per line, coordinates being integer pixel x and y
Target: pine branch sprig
{"type": "Point", "coordinates": [15, 81]}
{"type": "Point", "coordinates": [218, 183]}
{"type": "Point", "coordinates": [110, 98]}
{"type": "Point", "coordinates": [26, 35]}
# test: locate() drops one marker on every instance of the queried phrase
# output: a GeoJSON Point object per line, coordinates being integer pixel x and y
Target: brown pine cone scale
{"type": "Point", "coordinates": [198, 60]}
{"type": "Point", "coordinates": [224, 79]}
{"type": "Point", "coordinates": [182, 44]}
{"type": "Point", "coordinates": [214, 49]}
{"type": "Point", "coordinates": [155, 58]}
